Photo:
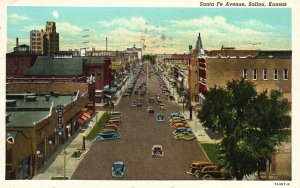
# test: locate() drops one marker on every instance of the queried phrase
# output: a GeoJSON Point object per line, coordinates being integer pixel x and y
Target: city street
{"type": "Point", "coordinates": [139, 133]}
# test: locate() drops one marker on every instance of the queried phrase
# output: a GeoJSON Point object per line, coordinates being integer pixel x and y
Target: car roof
{"type": "Point", "coordinates": [119, 162]}
{"type": "Point", "coordinates": [157, 146]}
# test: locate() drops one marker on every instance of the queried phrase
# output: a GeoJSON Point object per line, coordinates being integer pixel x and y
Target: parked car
{"type": "Point", "coordinates": [176, 125]}
{"type": "Point", "coordinates": [182, 129]}
{"type": "Point", "coordinates": [185, 136]}
{"type": "Point", "coordinates": [118, 169]}
{"type": "Point", "coordinates": [108, 135]}
{"type": "Point", "coordinates": [178, 121]}
{"type": "Point", "coordinates": [126, 94]}
{"type": "Point", "coordinates": [114, 121]}
{"type": "Point", "coordinates": [174, 114]}
{"type": "Point", "coordinates": [162, 106]}
{"type": "Point", "coordinates": [212, 172]}
{"type": "Point", "coordinates": [171, 98]}
{"type": "Point", "coordinates": [196, 166]}
{"type": "Point", "coordinates": [112, 126]}
{"type": "Point", "coordinates": [157, 151]}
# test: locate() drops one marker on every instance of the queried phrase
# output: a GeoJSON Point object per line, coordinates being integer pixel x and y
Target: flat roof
{"type": "Point", "coordinates": [25, 113]}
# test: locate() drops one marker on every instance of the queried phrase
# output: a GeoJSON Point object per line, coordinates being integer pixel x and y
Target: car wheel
{"type": "Point", "coordinates": [115, 136]}
{"type": "Point", "coordinates": [207, 177]}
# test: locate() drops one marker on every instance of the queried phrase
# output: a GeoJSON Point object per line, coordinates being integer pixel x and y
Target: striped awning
{"type": "Point", "coordinates": [84, 118]}
{"type": "Point", "coordinates": [80, 121]}
{"type": "Point", "coordinates": [87, 114]}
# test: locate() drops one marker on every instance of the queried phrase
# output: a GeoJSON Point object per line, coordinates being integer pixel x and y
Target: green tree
{"type": "Point", "coordinates": [251, 125]}
{"type": "Point", "coordinates": [149, 57]}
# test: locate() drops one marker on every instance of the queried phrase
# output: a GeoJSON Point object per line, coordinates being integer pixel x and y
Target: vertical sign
{"type": "Point", "coordinates": [59, 109]}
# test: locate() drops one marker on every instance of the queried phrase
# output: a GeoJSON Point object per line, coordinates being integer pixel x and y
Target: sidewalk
{"type": "Point", "coordinates": [56, 168]}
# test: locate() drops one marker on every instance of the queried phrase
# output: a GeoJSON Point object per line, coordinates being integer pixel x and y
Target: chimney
{"type": "Point", "coordinates": [17, 42]}
{"type": "Point", "coordinates": [106, 43]}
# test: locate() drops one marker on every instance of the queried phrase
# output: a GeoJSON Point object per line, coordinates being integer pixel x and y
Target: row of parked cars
{"type": "Point", "coordinates": [111, 128]}
{"type": "Point", "coordinates": [180, 127]}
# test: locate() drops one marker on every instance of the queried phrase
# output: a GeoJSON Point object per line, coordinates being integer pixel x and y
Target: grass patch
{"type": "Point", "coordinates": [77, 154]}
{"type": "Point", "coordinates": [60, 178]}
{"type": "Point", "coordinates": [212, 151]}
{"type": "Point", "coordinates": [99, 125]}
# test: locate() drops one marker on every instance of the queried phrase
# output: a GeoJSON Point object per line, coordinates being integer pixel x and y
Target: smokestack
{"type": "Point", "coordinates": [17, 42]}
{"type": "Point", "coordinates": [106, 43]}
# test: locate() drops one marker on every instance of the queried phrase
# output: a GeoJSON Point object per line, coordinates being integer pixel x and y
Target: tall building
{"type": "Point", "coordinates": [44, 42]}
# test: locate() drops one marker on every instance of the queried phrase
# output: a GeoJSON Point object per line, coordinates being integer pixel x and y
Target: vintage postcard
{"type": "Point", "coordinates": [142, 94]}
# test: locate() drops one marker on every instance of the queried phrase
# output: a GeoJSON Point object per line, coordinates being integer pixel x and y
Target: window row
{"type": "Point", "coordinates": [285, 75]}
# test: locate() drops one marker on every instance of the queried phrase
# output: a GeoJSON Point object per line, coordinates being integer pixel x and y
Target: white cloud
{"type": "Point", "coordinates": [33, 27]}
{"type": "Point", "coordinates": [256, 24]}
{"type": "Point", "coordinates": [55, 14]}
{"type": "Point", "coordinates": [16, 17]}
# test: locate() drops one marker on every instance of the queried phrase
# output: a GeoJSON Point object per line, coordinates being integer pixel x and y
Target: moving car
{"type": "Point", "coordinates": [197, 166]}
{"type": "Point", "coordinates": [150, 110]}
{"type": "Point", "coordinates": [185, 136]}
{"type": "Point", "coordinates": [160, 117]}
{"type": "Point", "coordinates": [118, 169]}
{"type": "Point", "coordinates": [151, 100]}
{"type": "Point", "coordinates": [157, 151]}
{"type": "Point", "coordinates": [134, 103]}
{"type": "Point", "coordinates": [108, 135]}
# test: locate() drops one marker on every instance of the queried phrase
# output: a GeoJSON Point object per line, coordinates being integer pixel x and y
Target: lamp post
{"type": "Point", "coordinates": [64, 153]}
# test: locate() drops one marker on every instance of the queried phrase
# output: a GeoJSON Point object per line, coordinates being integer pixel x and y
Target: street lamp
{"type": "Point", "coordinates": [64, 153]}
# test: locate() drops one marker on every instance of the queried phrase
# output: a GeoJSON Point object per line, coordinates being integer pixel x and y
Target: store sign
{"type": "Point", "coordinates": [116, 65]}
{"type": "Point", "coordinates": [90, 103]}
{"type": "Point", "coordinates": [59, 109]}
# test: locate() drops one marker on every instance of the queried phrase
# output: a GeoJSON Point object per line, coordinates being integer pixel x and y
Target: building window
{"type": "Point", "coordinates": [265, 75]}
{"type": "Point", "coordinates": [245, 74]}
{"type": "Point", "coordinates": [275, 75]}
{"type": "Point", "coordinates": [254, 74]}
{"type": "Point", "coordinates": [285, 74]}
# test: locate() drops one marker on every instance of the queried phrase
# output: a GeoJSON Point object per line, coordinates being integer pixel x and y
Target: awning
{"type": "Point", "coordinates": [80, 121]}
{"type": "Point", "coordinates": [86, 114]}
{"type": "Point", "coordinates": [84, 118]}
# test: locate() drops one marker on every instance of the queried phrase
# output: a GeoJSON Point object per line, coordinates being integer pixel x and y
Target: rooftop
{"type": "Point", "coordinates": [25, 113]}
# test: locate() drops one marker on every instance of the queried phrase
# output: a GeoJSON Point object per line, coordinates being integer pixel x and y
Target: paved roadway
{"type": "Point", "coordinates": [139, 133]}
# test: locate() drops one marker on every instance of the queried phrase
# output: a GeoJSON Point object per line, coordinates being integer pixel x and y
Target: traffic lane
{"type": "Point", "coordinates": [140, 133]}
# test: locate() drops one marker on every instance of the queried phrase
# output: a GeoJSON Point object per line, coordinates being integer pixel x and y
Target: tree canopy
{"type": "Point", "coordinates": [251, 125]}
{"type": "Point", "coordinates": [150, 58]}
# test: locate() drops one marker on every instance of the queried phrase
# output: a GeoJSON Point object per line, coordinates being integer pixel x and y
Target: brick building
{"type": "Point", "coordinates": [31, 123]}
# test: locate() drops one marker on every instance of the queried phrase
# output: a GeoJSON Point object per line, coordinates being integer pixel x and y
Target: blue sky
{"type": "Point", "coordinates": [165, 30]}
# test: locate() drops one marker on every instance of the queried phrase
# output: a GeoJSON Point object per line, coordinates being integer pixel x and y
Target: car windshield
{"type": "Point", "coordinates": [118, 167]}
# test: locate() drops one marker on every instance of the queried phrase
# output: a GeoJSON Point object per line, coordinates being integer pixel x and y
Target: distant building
{"type": "Point", "coordinates": [23, 48]}
{"type": "Point", "coordinates": [44, 42]}
{"type": "Point", "coordinates": [135, 49]}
